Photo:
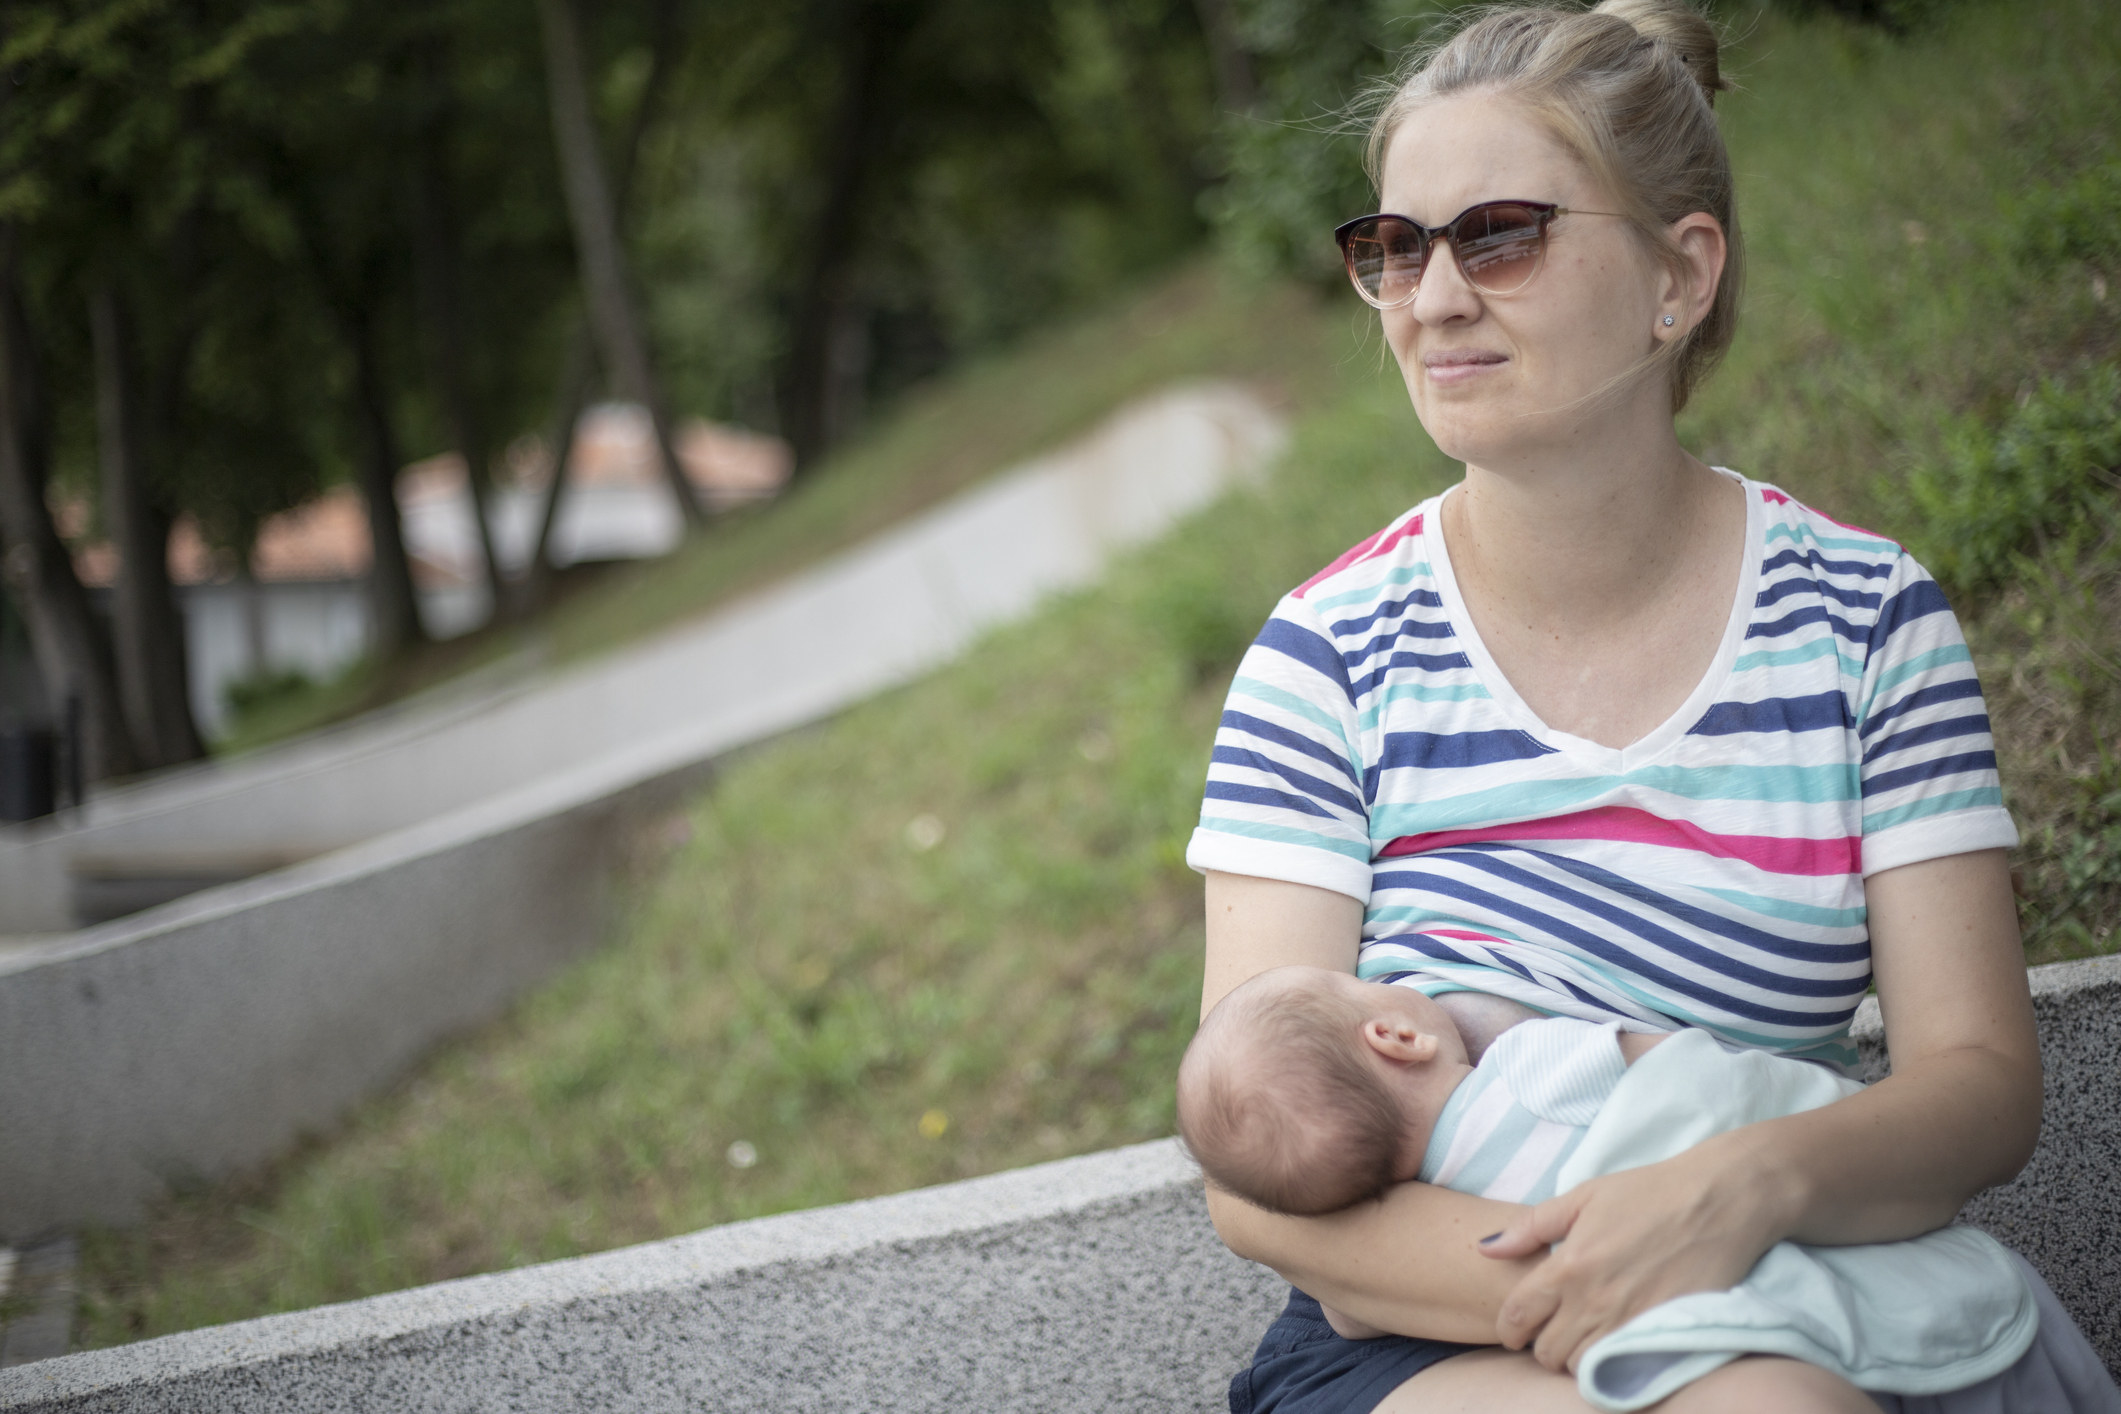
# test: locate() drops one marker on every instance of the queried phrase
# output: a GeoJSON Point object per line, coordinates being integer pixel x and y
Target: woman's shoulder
{"type": "Point", "coordinates": [1387, 563]}
{"type": "Point", "coordinates": [1795, 531]}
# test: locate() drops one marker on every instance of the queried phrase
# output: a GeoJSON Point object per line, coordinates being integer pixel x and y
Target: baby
{"type": "Point", "coordinates": [1307, 1091]}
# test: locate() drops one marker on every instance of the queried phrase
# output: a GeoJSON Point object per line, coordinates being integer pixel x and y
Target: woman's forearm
{"type": "Point", "coordinates": [1961, 1110]}
{"type": "Point", "coordinates": [1408, 1263]}
{"type": "Point", "coordinates": [1901, 1158]}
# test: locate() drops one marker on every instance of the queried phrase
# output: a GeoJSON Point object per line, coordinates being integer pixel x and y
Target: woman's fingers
{"type": "Point", "coordinates": [1538, 1229]}
{"type": "Point", "coordinates": [1527, 1309]}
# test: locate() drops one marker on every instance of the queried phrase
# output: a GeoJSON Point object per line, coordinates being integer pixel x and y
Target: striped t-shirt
{"type": "Point", "coordinates": [1511, 1124]}
{"type": "Point", "coordinates": [1710, 874]}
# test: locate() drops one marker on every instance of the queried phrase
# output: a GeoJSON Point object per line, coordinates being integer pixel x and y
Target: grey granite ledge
{"type": "Point", "coordinates": [1089, 1283]}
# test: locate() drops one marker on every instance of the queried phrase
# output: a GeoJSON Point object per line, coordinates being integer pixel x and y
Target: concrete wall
{"type": "Point", "coordinates": [206, 1034]}
{"type": "Point", "coordinates": [893, 608]}
{"type": "Point", "coordinates": [1092, 1283]}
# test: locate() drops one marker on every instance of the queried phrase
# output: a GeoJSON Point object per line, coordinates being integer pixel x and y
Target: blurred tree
{"type": "Point", "coordinates": [605, 281]}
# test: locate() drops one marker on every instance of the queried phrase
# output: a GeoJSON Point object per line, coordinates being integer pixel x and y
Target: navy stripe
{"type": "Point", "coordinates": [1782, 589]}
{"type": "Point", "coordinates": [1307, 648]}
{"type": "Point", "coordinates": [1826, 954]}
{"type": "Point", "coordinates": [1798, 618]}
{"type": "Point", "coordinates": [1976, 725]}
{"type": "Point", "coordinates": [1424, 598]}
{"type": "Point", "coordinates": [1235, 721]}
{"type": "Point", "coordinates": [1431, 751]}
{"type": "Point", "coordinates": [1421, 662]}
{"type": "Point", "coordinates": [1813, 560]}
{"type": "Point", "coordinates": [1918, 601]}
{"type": "Point", "coordinates": [1651, 932]}
{"type": "Point", "coordinates": [1312, 786]}
{"type": "Point", "coordinates": [1818, 712]}
{"type": "Point", "coordinates": [1928, 771]}
{"type": "Point", "coordinates": [1442, 950]}
{"type": "Point", "coordinates": [1829, 954]}
{"type": "Point", "coordinates": [1261, 795]}
{"type": "Point", "coordinates": [1384, 642]}
{"type": "Point", "coordinates": [1631, 965]}
{"type": "Point", "coordinates": [1953, 691]}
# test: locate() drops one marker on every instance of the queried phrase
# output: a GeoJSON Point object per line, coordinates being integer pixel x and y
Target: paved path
{"type": "Point", "coordinates": [875, 616]}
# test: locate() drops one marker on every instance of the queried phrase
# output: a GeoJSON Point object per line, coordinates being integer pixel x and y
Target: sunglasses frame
{"type": "Point", "coordinates": [1545, 211]}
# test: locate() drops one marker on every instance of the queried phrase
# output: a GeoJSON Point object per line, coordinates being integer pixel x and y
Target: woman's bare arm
{"type": "Point", "coordinates": [1409, 1263]}
{"type": "Point", "coordinates": [1960, 1112]}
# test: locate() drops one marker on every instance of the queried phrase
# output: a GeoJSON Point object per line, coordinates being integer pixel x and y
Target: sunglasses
{"type": "Point", "coordinates": [1499, 246]}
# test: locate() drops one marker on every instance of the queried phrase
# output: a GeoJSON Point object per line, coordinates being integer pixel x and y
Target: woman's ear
{"type": "Point", "coordinates": [1399, 1040]}
{"type": "Point", "coordinates": [1690, 288]}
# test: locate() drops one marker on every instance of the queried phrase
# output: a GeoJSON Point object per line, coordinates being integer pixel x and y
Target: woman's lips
{"type": "Point", "coordinates": [1448, 366]}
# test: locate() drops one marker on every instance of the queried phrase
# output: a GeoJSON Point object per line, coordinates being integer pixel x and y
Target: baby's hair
{"type": "Point", "coordinates": [1290, 1118]}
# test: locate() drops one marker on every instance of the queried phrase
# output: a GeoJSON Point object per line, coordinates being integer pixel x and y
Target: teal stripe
{"type": "Point", "coordinates": [1790, 911]}
{"type": "Point", "coordinates": [1543, 1187]}
{"type": "Point", "coordinates": [1825, 646]}
{"type": "Point", "coordinates": [1915, 667]}
{"type": "Point", "coordinates": [1537, 800]}
{"type": "Point", "coordinates": [1289, 702]}
{"type": "Point", "coordinates": [1419, 692]}
{"type": "Point", "coordinates": [1831, 542]}
{"type": "Point", "coordinates": [1416, 918]}
{"type": "Point", "coordinates": [1281, 834]}
{"type": "Point", "coordinates": [1973, 799]}
{"type": "Point", "coordinates": [1454, 1112]}
{"type": "Point", "coordinates": [1495, 1153]}
{"type": "Point", "coordinates": [1402, 575]}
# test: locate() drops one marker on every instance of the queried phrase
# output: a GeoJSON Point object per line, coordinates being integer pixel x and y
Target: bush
{"type": "Point", "coordinates": [2046, 474]}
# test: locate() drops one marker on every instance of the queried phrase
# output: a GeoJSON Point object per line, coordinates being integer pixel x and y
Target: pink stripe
{"type": "Point", "coordinates": [1769, 493]}
{"type": "Point", "coordinates": [1369, 547]}
{"type": "Point", "coordinates": [1772, 853]}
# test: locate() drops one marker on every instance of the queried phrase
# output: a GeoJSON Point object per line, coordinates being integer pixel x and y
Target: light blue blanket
{"type": "Point", "coordinates": [1923, 1316]}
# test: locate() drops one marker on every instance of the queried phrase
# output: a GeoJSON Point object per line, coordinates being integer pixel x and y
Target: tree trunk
{"type": "Point", "coordinates": [1235, 83]}
{"type": "Point", "coordinates": [149, 627]}
{"type": "Point", "coordinates": [579, 366]}
{"type": "Point", "coordinates": [448, 335]}
{"type": "Point", "coordinates": [393, 605]}
{"type": "Point", "coordinates": [571, 402]}
{"type": "Point", "coordinates": [596, 234]}
{"type": "Point", "coordinates": [813, 386]}
{"type": "Point", "coordinates": [72, 648]}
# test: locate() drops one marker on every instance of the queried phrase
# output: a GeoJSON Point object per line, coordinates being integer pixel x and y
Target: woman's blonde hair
{"type": "Point", "coordinates": [1628, 88]}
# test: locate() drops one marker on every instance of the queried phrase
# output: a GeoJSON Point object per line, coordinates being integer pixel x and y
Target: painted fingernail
{"type": "Point", "coordinates": [1491, 1237]}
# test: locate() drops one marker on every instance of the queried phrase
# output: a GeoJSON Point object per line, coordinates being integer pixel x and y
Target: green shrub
{"type": "Point", "coordinates": [2046, 474]}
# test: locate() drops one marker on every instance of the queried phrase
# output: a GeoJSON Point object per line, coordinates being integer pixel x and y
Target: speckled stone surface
{"type": "Point", "coordinates": [1093, 1283]}
{"type": "Point", "coordinates": [2064, 1211]}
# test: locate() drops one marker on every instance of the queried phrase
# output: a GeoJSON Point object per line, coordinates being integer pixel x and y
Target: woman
{"type": "Point", "coordinates": [1608, 732]}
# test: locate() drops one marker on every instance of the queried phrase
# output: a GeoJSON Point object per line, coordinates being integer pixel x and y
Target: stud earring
{"type": "Point", "coordinates": [1669, 321]}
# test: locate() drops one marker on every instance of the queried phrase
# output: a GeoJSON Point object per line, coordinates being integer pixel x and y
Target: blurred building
{"type": "Point", "coordinates": [303, 608]}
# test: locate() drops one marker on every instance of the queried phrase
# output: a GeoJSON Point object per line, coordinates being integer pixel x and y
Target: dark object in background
{"type": "Point", "coordinates": [27, 782]}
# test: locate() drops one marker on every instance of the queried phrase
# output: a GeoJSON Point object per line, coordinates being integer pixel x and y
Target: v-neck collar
{"type": "Point", "coordinates": [1605, 759]}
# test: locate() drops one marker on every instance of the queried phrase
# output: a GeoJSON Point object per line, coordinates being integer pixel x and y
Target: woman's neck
{"type": "Point", "coordinates": [1580, 539]}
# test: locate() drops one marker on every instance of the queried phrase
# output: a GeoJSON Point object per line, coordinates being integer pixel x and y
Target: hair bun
{"type": "Point", "coordinates": [1680, 28]}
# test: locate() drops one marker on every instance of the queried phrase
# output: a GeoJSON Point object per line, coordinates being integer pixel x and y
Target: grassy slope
{"type": "Point", "coordinates": [869, 1015]}
{"type": "Point", "coordinates": [936, 441]}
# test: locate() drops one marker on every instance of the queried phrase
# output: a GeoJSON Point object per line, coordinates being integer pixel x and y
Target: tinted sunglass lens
{"type": "Point", "coordinates": [1384, 258]}
{"type": "Point", "coordinates": [1499, 247]}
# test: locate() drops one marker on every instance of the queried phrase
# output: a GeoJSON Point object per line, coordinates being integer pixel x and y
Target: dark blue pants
{"type": "Point", "coordinates": [1302, 1367]}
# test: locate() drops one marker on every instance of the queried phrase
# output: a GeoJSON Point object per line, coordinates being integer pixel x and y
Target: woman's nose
{"type": "Point", "coordinates": [1444, 293]}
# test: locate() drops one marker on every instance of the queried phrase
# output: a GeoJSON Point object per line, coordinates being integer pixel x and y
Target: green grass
{"type": "Point", "coordinates": [1193, 323]}
{"type": "Point", "coordinates": [798, 973]}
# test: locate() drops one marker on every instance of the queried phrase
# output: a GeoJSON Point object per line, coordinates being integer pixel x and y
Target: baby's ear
{"type": "Point", "coordinates": [1399, 1040]}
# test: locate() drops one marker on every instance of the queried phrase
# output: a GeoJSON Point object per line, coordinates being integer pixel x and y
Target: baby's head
{"type": "Point", "coordinates": [1307, 1091]}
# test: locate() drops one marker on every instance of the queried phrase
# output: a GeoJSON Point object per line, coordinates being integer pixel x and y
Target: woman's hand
{"type": "Point", "coordinates": [1696, 1222]}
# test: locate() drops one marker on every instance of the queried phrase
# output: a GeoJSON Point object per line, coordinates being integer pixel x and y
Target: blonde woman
{"type": "Point", "coordinates": [1604, 731]}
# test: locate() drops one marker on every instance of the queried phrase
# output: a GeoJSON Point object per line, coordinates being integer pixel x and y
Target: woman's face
{"type": "Point", "coordinates": [1488, 372]}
